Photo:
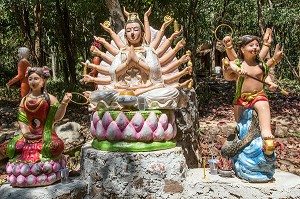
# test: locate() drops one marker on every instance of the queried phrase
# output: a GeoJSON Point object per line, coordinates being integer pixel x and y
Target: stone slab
{"type": "Point", "coordinates": [75, 189]}
{"type": "Point", "coordinates": [285, 185]}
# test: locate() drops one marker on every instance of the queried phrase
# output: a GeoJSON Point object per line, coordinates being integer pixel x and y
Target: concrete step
{"type": "Point", "coordinates": [285, 185]}
{"type": "Point", "coordinates": [74, 189]}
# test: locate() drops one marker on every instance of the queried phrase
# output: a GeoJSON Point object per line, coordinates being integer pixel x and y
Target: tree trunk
{"type": "Point", "coordinates": [117, 19]}
{"type": "Point", "coordinates": [66, 42]}
{"type": "Point", "coordinates": [38, 13]}
{"type": "Point", "coordinates": [22, 16]}
{"type": "Point", "coordinates": [260, 18]}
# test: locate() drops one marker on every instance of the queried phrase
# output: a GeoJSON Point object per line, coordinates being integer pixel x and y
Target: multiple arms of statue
{"type": "Point", "coordinates": [101, 54]}
{"type": "Point", "coordinates": [147, 26]}
{"type": "Point", "coordinates": [176, 76]}
{"type": "Point", "coordinates": [277, 56]}
{"type": "Point", "coordinates": [160, 34]}
{"type": "Point", "coordinates": [114, 36]}
{"type": "Point", "coordinates": [97, 80]}
{"type": "Point", "coordinates": [267, 39]}
{"type": "Point", "coordinates": [111, 49]}
{"type": "Point", "coordinates": [164, 47]}
{"type": "Point", "coordinates": [185, 58]}
{"type": "Point", "coordinates": [99, 68]}
{"type": "Point", "coordinates": [171, 54]}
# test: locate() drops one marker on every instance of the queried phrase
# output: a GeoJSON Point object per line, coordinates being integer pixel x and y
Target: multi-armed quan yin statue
{"type": "Point", "coordinates": [138, 87]}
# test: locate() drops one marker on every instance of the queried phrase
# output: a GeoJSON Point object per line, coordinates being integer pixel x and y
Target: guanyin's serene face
{"type": "Point", "coordinates": [133, 33]}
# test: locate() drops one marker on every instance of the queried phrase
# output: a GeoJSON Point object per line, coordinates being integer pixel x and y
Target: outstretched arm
{"type": "Point", "coordinates": [100, 68]}
{"type": "Point", "coordinates": [101, 54]}
{"type": "Point", "coordinates": [160, 34]}
{"type": "Point", "coordinates": [277, 56]}
{"type": "Point", "coordinates": [266, 45]}
{"type": "Point", "coordinates": [227, 41]}
{"type": "Point", "coordinates": [112, 50]}
{"type": "Point", "coordinates": [163, 48]}
{"type": "Point", "coordinates": [97, 80]}
{"type": "Point", "coordinates": [176, 76]}
{"type": "Point", "coordinates": [185, 58]}
{"type": "Point", "coordinates": [171, 54]}
{"type": "Point", "coordinates": [147, 26]}
{"type": "Point", "coordinates": [62, 107]}
{"type": "Point", "coordinates": [114, 36]}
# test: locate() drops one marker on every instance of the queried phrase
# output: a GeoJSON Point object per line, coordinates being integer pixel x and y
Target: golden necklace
{"type": "Point", "coordinates": [32, 104]}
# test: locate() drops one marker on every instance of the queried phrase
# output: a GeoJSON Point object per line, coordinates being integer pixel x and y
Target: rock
{"type": "Point", "coordinates": [71, 134]}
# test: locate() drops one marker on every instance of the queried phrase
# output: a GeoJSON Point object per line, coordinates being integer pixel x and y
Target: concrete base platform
{"type": "Point", "coordinates": [74, 189]}
{"type": "Point", "coordinates": [285, 185]}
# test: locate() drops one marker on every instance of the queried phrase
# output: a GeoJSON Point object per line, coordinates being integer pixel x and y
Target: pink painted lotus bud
{"type": "Point", "coordinates": [56, 167]}
{"type": "Point", "coordinates": [106, 120]}
{"type": "Point", "coordinates": [122, 121]}
{"type": "Point", "coordinates": [164, 121]}
{"type": "Point", "coordinates": [158, 134]}
{"type": "Point", "coordinates": [36, 170]}
{"type": "Point", "coordinates": [152, 121]}
{"type": "Point", "coordinates": [25, 170]}
{"type": "Point", "coordinates": [95, 118]}
{"type": "Point", "coordinates": [42, 179]}
{"type": "Point", "coordinates": [21, 180]}
{"type": "Point", "coordinates": [47, 168]}
{"type": "Point", "coordinates": [100, 131]}
{"type": "Point", "coordinates": [9, 168]}
{"type": "Point", "coordinates": [113, 132]}
{"type": "Point", "coordinates": [12, 179]}
{"type": "Point", "coordinates": [137, 121]}
{"type": "Point", "coordinates": [129, 133]}
{"type": "Point", "coordinates": [16, 170]}
{"type": "Point", "coordinates": [146, 133]}
{"type": "Point", "coordinates": [31, 180]}
{"type": "Point", "coordinates": [52, 178]}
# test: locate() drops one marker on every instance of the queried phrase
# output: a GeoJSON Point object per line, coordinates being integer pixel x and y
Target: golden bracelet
{"type": "Point", "coordinates": [161, 30]}
{"type": "Point", "coordinates": [267, 44]}
{"type": "Point", "coordinates": [170, 40]}
{"type": "Point", "coordinates": [229, 47]}
{"type": "Point", "coordinates": [64, 103]}
{"type": "Point", "coordinates": [274, 61]}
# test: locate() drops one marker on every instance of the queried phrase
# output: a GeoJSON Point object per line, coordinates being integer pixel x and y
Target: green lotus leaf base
{"type": "Point", "coordinates": [106, 145]}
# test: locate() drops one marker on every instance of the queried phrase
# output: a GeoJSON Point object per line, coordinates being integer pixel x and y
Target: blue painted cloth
{"type": "Point", "coordinates": [251, 163]}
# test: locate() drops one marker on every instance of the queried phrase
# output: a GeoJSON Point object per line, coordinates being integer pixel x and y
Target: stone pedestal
{"type": "Point", "coordinates": [133, 174]}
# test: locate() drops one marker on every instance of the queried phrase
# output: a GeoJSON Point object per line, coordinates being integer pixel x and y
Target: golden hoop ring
{"type": "Point", "coordinates": [223, 24]}
{"type": "Point", "coordinates": [80, 103]}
